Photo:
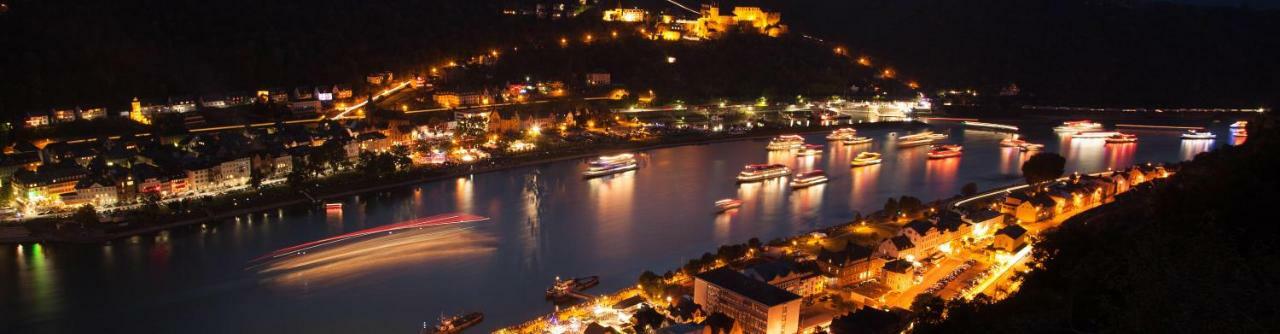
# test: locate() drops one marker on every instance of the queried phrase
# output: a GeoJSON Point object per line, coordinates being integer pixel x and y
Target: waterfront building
{"type": "Point", "coordinates": [45, 186]}
{"type": "Point", "coordinates": [802, 278]}
{"type": "Point", "coordinates": [92, 190]}
{"type": "Point", "coordinates": [852, 264]}
{"type": "Point", "coordinates": [983, 222]}
{"type": "Point", "coordinates": [759, 308]}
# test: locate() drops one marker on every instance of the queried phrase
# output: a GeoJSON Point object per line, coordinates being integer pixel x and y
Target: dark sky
{"type": "Point", "coordinates": [1232, 3]}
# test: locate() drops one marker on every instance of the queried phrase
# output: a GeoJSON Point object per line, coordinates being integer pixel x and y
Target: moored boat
{"type": "Point", "coordinates": [563, 288]}
{"type": "Point", "coordinates": [760, 172]}
{"type": "Point", "coordinates": [606, 165]}
{"type": "Point", "coordinates": [1198, 135]}
{"type": "Point", "coordinates": [1120, 138]}
{"type": "Point", "coordinates": [810, 178]}
{"type": "Point", "coordinates": [728, 204]}
{"type": "Point", "coordinates": [945, 151]}
{"type": "Point", "coordinates": [1078, 126]}
{"type": "Point", "coordinates": [785, 142]}
{"type": "Point", "coordinates": [856, 140]}
{"type": "Point", "coordinates": [841, 134]}
{"type": "Point", "coordinates": [455, 324]}
{"type": "Point", "coordinates": [865, 159]}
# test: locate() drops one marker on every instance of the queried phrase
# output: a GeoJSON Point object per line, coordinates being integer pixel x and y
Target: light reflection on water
{"type": "Point", "coordinates": [546, 221]}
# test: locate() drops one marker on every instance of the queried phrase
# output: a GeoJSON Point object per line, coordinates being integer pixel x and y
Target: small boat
{"type": "Point", "coordinates": [808, 179]}
{"type": "Point", "coordinates": [1028, 147]}
{"type": "Point", "coordinates": [841, 134]}
{"type": "Point", "coordinates": [945, 151]}
{"type": "Point", "coordinates": [865, 159]}
{"type": "Point", "coordinates": [1239, 124]}
{"type": "Point", "coordinates": [752, 173]}
{"type": "Point", "coordinates": [567, 287]}
{"type": "Point", "coordinates": [455, 324]}
{"type": "Point", "coordinates": [785, 142]}
{"type": "Point", "coordinates": [1094, 135]}
{"type": "Point", "coordinates": [1012, 141]}
{"type": "Point", "coordinates": [1121, 138]}
{"type": "Point", "coordinates": [938, 136]}
{"type": "Point", "coordinates": [333, 206]}
{"type": "Point", "coordinates": [728, 204]}
{"type": "Point", "coordinates": [1239, 132]}
{"type": "Point", "coordinates": [1078, 126]}
{"type": "Point", "coordinates": [809, 150]}
{"type": "Point", "coordinates": [856, 140]}
{"type": "Point", "coordinates": [923, 138]}
{"type": "Point", "coordinates": [1198, 135]}
{"type": "Point", "coordinates": [606, 165]}
{"type": "Point", "coordinates": [994, 126]}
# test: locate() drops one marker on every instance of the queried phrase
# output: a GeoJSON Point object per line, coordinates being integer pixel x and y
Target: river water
{"type": "Point", "coordinates": [546, 221]}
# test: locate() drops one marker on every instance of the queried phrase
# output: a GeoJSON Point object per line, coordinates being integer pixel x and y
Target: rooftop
{"type": "Point", "coordinates": [758, 291]}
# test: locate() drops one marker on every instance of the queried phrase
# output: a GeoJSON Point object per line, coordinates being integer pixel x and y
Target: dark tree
{"type": "Point", "coordinates": [85, 215]}
{"type": "Point", "coordinates": [647, 319]}
{"type": "Point", "coordinates": [928, 308]}
{"type": "Point", "coordinates": [1043, 167]}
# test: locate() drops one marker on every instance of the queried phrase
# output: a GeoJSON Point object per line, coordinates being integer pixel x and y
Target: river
{"type": "Point", "coordinates": [546, 221]}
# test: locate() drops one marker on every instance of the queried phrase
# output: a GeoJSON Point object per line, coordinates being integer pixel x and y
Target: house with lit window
{"type": "Point", "coordinates": [1039, 208]}
{"type": "Point", "coordinates": [1010, 238]}
{"type": "Point", "coordinates": [36, 120]}
{"type": "Point", "coordinates": [96, 191]}
{"type": "Point", "coordinates": [898, 247]}
{"type": "Point", "coordinates": [852, 264]}
{"type": "Point", "coordinates": [45, 186]}
{"type": "Point", "coordinates": [899, 274]}
{"type": "Point", "coordinates": [801, 278]}
{"type": "Point", "coordinates": [757, 307]}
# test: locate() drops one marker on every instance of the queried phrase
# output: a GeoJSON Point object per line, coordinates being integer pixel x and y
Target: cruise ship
{"type": "Point", "coordinates": [728, 204]}
{"type": "Point", "coordinates": [785, 142]}
{"type": "Point", "coordinates": [945, 151]}
{"type": "Point", "coordinates": [856, 140]}
{"type": "Point", "coordinates": [1239, 124]}
{"type": "Point", "coordinates": [753, 173]}
{"type": "Point", "coordinates": [1198, 135]}
{"type": "Point", "coordinates": [1094, 135]}
{"type": "Point", "coordinates": [1078, 126]}
{"type": "Point", "coordinates": [612, 164]}
{"type": "Point", "coordinates": [809, 150]}
{"type": "Point", "coordinates": [1121, 138]}
{"type": "Point", "coordinates": [923, 138]}
{"type": "Point", "coordinates": [842, 134]}
{"type": "Point", "coordinates": [807, 179]}
{"type": "Point", "coordinates": [865, 159]}
{"type": "Point", "coordinates": [1239, 132]}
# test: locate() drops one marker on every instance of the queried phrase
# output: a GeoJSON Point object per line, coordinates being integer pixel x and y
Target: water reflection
{"type": "Point", "coordinates": [1011, 160]}
{"type": "Point", "coordinates": [1086, 154]}
{"type": "Point", "coordinates": [1120, 155]}
{"type": "Point", "coordinates": [863, 180]}
{"type": "Point", "coordinates": [806, 201]}
{"type": "Point", "coordinates": [1190, 148]}
{"type": "Point", "coordinates": [614, 201]}
{"type": "Point", "coordinates": [940, 174]}
{"type": "Point", "coordinates": [462, 193]}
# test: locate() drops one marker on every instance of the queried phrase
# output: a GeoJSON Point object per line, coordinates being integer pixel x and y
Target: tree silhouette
{"type": "Point", "coordinates": [1043, 167]}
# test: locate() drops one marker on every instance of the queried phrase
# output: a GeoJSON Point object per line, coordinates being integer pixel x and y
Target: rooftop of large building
{"type": "Point", "coordinates": [758, 291]}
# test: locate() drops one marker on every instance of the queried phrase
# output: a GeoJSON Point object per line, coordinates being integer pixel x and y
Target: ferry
{"type": "Point", "coordinates": [1198, 135]}
{"type": "Point", "coordinates": [1239, 132]}
{"type": "Point", "coordinates": [785, 142]}
{"type": "Point", "coordinates": [1094, 135]}
{"type": "Point", "coordinates": [1012, 141]}
{"type": "Point", "coordinates": [945, 151]}
{"type": "Point", "coordinates": [606, 165]}
{"type": "Point", "coordinates": [455, 324]}
{"type": "Point", "coordinates": [728, 204]}
{"type": "Point", "coordinates": [808, 179]}
{"type": "Point", "coordinates": [1078, 126]}
{"type": "Point", "coordinates": [856, 140]}
{"type": "Point", "coordinates": [1121, 138]}
{"type": "Point", "coordinates": [865, 159]}
{"type": "Point", "coordinates": [752, 173]}
{"type": "Point", "coordinates": [994, 126]}
{"type": "Point", "coordinates": [333, 206]}
{"type": "Point", "coordinates": [1239, 124]}
{"type": "Point", "coordinates": [1028, 147]}
{"type": "Point", "coordinates": [938, 136]}
{"type": "Point", "coordinates": [923, 138]}
{"type": "Point", "coordinates": [809, 150]}
{"type": "Point", "coordinates": [567, 287]}
{"type": "Point", "coordinates": [841, 134]}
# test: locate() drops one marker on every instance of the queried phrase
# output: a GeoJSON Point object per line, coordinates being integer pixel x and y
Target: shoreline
{"type": "Point", "coordinates": [109, 236]}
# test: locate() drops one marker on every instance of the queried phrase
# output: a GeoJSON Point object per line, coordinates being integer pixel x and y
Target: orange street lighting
{"type": "Point", "coordinates": [914, 85]}
{"type": "Point", "coordinates": [614, 34]}
{"type": "Point", "coordinates": [588, 37]}
{"type": "Point", "coordinates": [839, 50]}
{"type": "Point", "coordinates": [564, 41]}
{"type": "Point", "coordinates": [887, 73]}
{"type": "Point", "coordinates": [671, 60]}
{"type": "Point", "coordinates": [864, 61]}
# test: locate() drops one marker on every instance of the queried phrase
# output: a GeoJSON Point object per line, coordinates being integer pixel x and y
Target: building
{"type": "Point", "coordinates": [36, 120]}
{"type": "Point", "coordinates": [93, 113]}
{"type": "Point", "coordinates": [63, 115]}
{"type": "Point", "coordinates": [625, 14]}
{"type": "Point", "coordinates": [182, 104]}
{"type": "Point", "coordinates": [899, 274]}
{"type": "Point", "coordinates": [898, 247]}
{"type": "Point", "coordinates": [1038, 208]}
{"type": "Point", "coordinates": [712, 24]}
{"type": "Point", "coordinates": [983, 222]}
{"type": "Point", "coordinates": [96, 191]}
{"type": "Point", "coordinates": [802, 279]}
{"type": "Point", "coordinates": [46, 185]}
{"type": "Point", "coordinates": [1010, 238]}
{"type": "Point", "coordinates": [759, 308]}
{"type": "Point", "coordinates": [599, 79]}
{"type": "Point", "coordinates": [852, 264]}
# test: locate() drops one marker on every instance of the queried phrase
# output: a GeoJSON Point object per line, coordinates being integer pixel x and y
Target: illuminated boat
{"type": "Point", "coordinates": [1028, 147]}
{"type": "Point", "coordinates": [728, 204]}
{"type": "Point", "coordinates": [1198, 135]}
{"type": "Point", "coordinates": [938, 136]}
{"type": "Point", "coordinates": [418, 223]}
{"type": "Point", "coordinates": [841, 134]}
{"type": "Point", "coordinates": [923, 138]}
{"type": "Point", "coordinates": [856, 140]}
{"type": "Point", "coordinates": [611, 164]}
{"type": "Point", "coordinates": [1012, 141]}
{"type": "Point", "coordinates": [994, 126]}
{"type": "Point", "coordinates": [1239, 132]}
{"type": "Point", "coordinates": [945, 151]}
{"type": "Point", "coordinates": [566, 288]}
{"type": "Point", "coordinates": [333, 206]}
{"type": "Point", "coordinates": [809, 150]}
{"type": "Point", "coordinates": [1094, 135]}
{"type": "Point", "coordinates": [785, 142]}
{"type": "Point", "coordinates": [752, 173]}
{"type": "Point", "coordinates": [1078, 126]}
{"type": "Point", "coordinates": [1121, 138]}
{"type": "Point", "coordinates": [455, 324]}
{"type": "Point", "coordinates": [807, 179]}
{"type": "Point", "coordinates": [1239, 124]}
{"type": "Point", "coordinates": [865, 159]}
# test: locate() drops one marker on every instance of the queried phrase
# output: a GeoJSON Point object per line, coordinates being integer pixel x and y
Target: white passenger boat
{"type": "Point", "coordinates": [728, 204]}
{"type": "Point", "coordinates": [753, 173]}
{"type": "Point", "coordinates": [1198, 135]}
{"type": "Point", "coordinates": [1078, 126]}
{"type": "Point", "coordinates": [1094, 135]}
{"type": "Point", "coordinates": [1239, 124]}
{"type": "Point", "coordinates": [809, 150]}
{"type": "Point", "coordinates": [856, 140]}
{"type": "Point", "coordinates": [841, 134]}
{"type": "Point", "coordinates": [865, 159]}
{"type": "Point", "coordinates": [807, 179]}
{"type": "Point", "coordinates": [923, 138]}
{"type": "Point", "coordinates": [607, 165]}
{"type": "Point", "coordinates": [1121, 138]}
{"type": "Point", "coordinates": [945, 151]}
{"type": "Point", "coordinates": [785, 142]}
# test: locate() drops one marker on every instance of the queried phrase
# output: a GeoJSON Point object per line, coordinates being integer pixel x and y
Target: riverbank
{"type": "Point", "coordinates": [277, 197]}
